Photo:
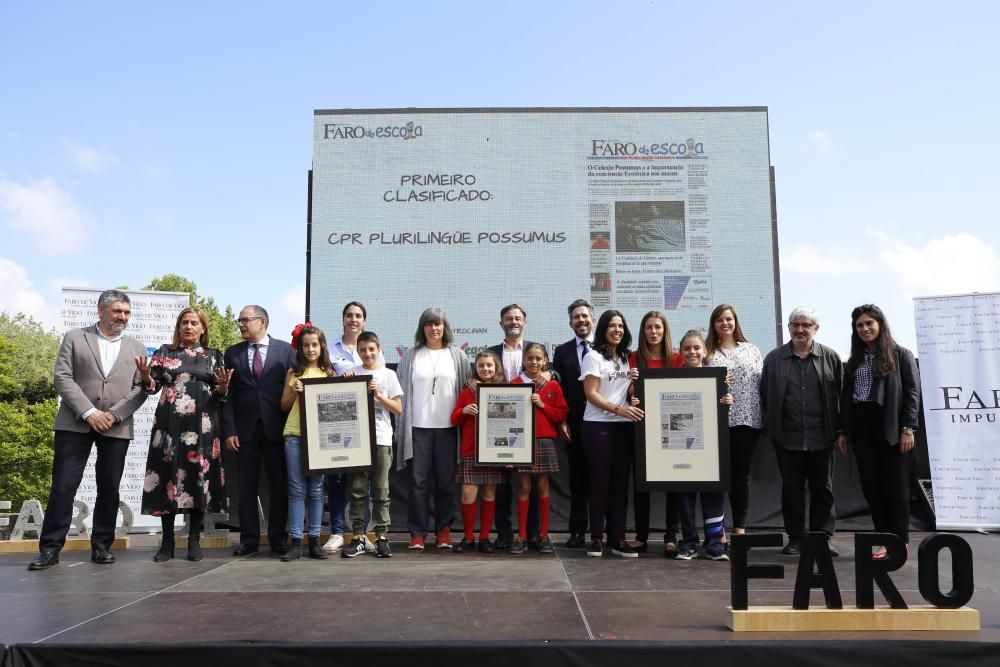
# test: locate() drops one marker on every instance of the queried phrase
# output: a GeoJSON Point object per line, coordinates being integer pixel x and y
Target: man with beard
{"type": "Point", "coordinates": [511, 353]}
{"type": "Point", "coordinates": [799, 391]}
{"type": "Point", "coordinates": [566, 363]}
{"type": "Point", "coordinates": [96, 378]}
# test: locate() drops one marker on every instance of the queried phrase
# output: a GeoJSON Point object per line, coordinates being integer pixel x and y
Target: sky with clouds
{"type": "Point", "coordinates": [138, 139]}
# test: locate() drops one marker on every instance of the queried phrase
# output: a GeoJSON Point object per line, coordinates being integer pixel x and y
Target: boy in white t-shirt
{"type": "Point", "coordinates": [386, 390]}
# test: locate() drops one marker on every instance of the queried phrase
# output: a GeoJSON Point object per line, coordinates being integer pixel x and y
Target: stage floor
{"type": "Point", "coordinates": [430, 596]}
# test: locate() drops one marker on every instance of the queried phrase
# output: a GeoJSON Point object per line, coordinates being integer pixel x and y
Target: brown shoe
{"type": "Point", "coordinates": [444, 538]}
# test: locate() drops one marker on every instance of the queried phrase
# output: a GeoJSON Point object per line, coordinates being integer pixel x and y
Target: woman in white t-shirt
{"type": "Point", "coordinates": [608, 431]}
{"type": "Point", "coordinates": [431, 373]}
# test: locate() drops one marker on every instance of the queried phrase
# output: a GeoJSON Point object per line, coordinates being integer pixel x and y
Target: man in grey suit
{"type": "Point", "coordinates": [96, 378]}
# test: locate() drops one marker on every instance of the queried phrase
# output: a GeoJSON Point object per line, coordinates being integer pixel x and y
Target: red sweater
{"type": "Point", "coordinates": [555, 411]}
{"type": "Point", "coordinates": [467, 423]}
{"type": "Point", "coordinates": [676, 361]}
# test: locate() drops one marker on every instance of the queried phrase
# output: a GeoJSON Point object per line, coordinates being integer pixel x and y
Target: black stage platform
{"type": "Point", "coordinates": [529, 608]}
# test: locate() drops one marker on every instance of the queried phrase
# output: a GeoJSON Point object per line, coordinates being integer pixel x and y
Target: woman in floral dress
{"type": "Point", "coordinates": [184, 465]}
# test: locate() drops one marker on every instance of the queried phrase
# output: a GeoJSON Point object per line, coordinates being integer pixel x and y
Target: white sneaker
{"type": "Point", "coordinates": [368, 544]}
{"type": "Point", "coordinates": [334, 544]}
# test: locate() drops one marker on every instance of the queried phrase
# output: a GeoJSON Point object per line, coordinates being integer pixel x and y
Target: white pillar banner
{"type": "Point", "coordinates": [958, 338]}
{"type": "Point", "coordinates": [152, 324]}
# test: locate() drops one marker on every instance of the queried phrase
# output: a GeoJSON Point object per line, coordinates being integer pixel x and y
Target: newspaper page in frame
{"type": "Point", "coordinates": [681, 420]}
{"type": "Point", "coordinates": [682, 442]}
{"type": "Point", "coordinates": [505, 427]}
{"type": "Point", "coordinates": [337, 417]}
{"type": "Point", "coordinates": [338, 424]}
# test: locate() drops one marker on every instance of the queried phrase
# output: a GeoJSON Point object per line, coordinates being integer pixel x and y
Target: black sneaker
{"type": "Point", "coordinates": [516, 545]}
{"type": "Point", "coordinates": [534, 543]}
{"type": "Point", "coordinates": [545, 545]}
{"type": "Point", "coordinates": [793, 548]}
{"type": "Point", "coordinates": [465, 546]}
{"type": "Point", "coordinates": [503, 541]}
{"type": "Point", "coordinates": [624, 550]}
{"type": "Point", "coordinates": [485, 546]}
{"type": "Point", "coordinates": [576, 541]}
{"type": "Point", "coordinates": [596, 549]}
{"type": "Point", "coordinates": [382, 549]}
{"type": "Point", "coordinates": [355, 548]}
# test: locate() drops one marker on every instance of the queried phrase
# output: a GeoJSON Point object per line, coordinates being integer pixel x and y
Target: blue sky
{"type": "Point", "coordinates": [137, 140]}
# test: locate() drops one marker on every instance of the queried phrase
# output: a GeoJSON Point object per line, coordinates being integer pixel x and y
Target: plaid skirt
{"type": "Point", "coordinates": [546, 459]}
{"type": "Point", "coordinates": [470, 473]}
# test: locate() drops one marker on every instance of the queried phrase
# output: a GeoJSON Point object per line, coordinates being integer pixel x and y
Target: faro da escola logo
{"type": "Point", "coordinates": [409, 131]}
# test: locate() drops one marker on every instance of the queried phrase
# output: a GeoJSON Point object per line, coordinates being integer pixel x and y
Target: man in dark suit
{"type": "Point", "coordinates": [252, 425]}
{"type": "Point", "coordinates": [513, 319]}
{"type": "Point", "coordinates": [566, 362]}
{"type": "Point", "coordinates": [96, 378]}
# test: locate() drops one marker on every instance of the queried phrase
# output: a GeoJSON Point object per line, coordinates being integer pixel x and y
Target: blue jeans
{"type": "Point", "coordinates": [301, 486]}
{"type": "Point", "coordinates": [336, 488]}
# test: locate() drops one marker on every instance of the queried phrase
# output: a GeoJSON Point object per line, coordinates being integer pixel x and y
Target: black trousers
{"type": "Point", "coordinates": [885, 474]}
{"type": "Point", "coordinates": [742, 445]}
{"type": "Point", "coordinates": [579, 481]}
{"type": "Point", "coordinates": [251, 455]}
{"type": "Point", "coordinates": [71, 452]}
{"type": "Point", "coordinates": [799, 468]}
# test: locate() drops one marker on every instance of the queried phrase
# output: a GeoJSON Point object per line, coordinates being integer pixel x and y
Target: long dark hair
{"type": "Point", "coordinates": [601, 340]}
{"type": "Point", "coordinates": [300, 365]}
{"type": "Point", "coordinates": [712, 341]}
{"type": "Point", "coordinates": [885, 346]}
{"type": "Point", "coordinates": [643, 352]}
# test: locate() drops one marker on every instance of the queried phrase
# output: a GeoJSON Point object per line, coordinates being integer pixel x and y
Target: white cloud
{"type": "Point", "coordinates": [949, 265]}
{"type": "Point", "coordinates": [56, 285]}
{"type": "Point", "coordinates": [91, 160]}
{"type": "Point", "coordinates": [19, 296]}
{"type": "Point", "coordinates": [822, 141]}
{"type": "Point", "coordinates": [294, 301]}
{"type": "Point", "coordinates": [42, 210]}
{"type": "Point", "coordinates": [826, 260]}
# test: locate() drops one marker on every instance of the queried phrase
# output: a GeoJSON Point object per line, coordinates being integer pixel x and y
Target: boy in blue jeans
{"type": "Point", "coordinates": [387, 392]}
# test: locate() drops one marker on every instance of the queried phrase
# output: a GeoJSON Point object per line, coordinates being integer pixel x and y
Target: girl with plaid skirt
{"type": "Point", "coordinates": [550, 409]}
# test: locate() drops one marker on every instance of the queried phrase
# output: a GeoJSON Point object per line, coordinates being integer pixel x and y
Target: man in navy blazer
{"type": "Point", "coordinates": [566, 362]}
{"type": "Point", "coordinates": [252, 425]}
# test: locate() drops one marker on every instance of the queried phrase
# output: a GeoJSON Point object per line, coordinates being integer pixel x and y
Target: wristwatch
{"type": "Point", "coordinates": [908, 430]}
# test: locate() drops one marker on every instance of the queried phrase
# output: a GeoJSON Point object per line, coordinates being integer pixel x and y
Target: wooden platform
{"type": "Point", "coordinates": [880, 619]}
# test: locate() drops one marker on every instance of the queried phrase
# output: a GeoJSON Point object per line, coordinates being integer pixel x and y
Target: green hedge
{"type": "Point", "coordinates": [26, 451]}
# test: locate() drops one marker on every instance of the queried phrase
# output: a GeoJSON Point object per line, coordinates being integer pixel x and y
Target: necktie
{"type": "Point", "coordinates": [258, 363]}
{"type": "Point", "coordinates": [584, 346]}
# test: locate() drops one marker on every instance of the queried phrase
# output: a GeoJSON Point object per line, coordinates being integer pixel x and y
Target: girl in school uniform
{"type": "Point", "coordinates": [550, 409]}
{"type": "Point", "coordinates": [488, 370]}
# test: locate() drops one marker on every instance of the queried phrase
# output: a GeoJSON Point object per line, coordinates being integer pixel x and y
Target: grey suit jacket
{"type": "Point", "coordinates": [82, 385]}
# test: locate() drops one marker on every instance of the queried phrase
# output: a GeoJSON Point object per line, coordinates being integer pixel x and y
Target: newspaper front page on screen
{"type": "Point", "coordinates": [473, 209]}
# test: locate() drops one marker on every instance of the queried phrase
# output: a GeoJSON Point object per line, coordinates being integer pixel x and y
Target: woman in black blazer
{"type": "Point", "coordinates": [879, 407]}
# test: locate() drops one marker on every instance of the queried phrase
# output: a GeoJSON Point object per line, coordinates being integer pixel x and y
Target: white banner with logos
{"type": "Point", "coordinates": [152, 324]}
{"type": "Point", "coordinates": [958, 338]}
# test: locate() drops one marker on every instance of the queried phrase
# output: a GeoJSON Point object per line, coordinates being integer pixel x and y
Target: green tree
{"type": "Point", "coordinates": [26, 450]}
{"type": "Point", "coordinates": [222, 331]}
{"type": "Point", "coordinates": [27, 358]}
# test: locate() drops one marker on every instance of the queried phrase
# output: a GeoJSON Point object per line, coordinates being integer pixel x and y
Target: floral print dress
{"type": "Point", "coordinates": [184, 465]}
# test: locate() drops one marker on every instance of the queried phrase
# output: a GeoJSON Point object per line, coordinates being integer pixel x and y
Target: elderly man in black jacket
{"type": "Point", "coordinates": [800, 391]}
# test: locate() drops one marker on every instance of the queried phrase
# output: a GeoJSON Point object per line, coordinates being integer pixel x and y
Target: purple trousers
{"type": "Point", "coordinates": [608, 446]}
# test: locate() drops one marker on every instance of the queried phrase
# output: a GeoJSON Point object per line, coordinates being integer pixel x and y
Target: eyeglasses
{"type": "Point", "coordinates": [245, 320]}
